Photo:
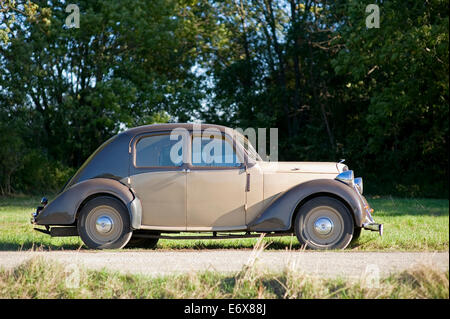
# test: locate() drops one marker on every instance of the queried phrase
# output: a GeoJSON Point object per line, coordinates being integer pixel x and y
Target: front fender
{"type": "Point", "coordinates": [279, 214]}
{"type": "Point", "coordinates": [63, 209]}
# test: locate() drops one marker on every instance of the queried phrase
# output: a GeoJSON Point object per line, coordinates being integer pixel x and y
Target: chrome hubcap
{"type": "Point", "coordinates": [323, 226]}
{"type": "Point", "coordinates": [104, 224]}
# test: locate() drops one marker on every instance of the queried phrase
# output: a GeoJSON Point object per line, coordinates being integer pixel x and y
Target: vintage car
{"type": "Point", "coordinates": [157, 181]}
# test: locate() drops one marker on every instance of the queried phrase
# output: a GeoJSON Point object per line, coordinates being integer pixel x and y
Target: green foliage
{"type": "Point", "coordinates": [377, 97]}
{"type": "Point", "coordinates": [11, 156]}
{"type": "Point", "coordinates": [71, 89]}
{"type": "Point", "coordinates": [396, 80]}
{"type": "Point", "coordinates": [335, 89]}
{"type": "Point", "coordinates": [40, 175]}
{"type": "Point", "coordinates": [10, 10]}
{"type": "Point", "coordinates": [84, 84]}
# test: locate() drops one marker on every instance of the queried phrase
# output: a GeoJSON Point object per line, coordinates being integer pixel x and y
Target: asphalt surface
{"type": "Point", "coordinates": [154, 263]}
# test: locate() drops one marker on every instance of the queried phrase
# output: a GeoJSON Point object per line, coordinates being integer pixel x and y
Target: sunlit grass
{"type": "Point", "coordinates": [409, 224]}
{"type": "Point", "coordinates": [16, 232]}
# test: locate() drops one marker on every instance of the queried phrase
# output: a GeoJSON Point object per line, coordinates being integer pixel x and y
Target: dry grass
{"type": "Point", "coordinates": [38, 279]}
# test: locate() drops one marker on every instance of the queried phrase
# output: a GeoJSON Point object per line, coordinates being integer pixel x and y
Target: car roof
{"type": "Point", "coordinates": [170, 126]}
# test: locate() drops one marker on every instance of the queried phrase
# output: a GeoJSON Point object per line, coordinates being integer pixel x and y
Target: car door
{"type": "Point", "coordinates": [216, 182]}
{"type": "Point", "coordinates": [159, 182]}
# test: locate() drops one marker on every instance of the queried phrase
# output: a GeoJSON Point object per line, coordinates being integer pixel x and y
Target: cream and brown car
{"type": "Point", "coordinates": [177, 181]}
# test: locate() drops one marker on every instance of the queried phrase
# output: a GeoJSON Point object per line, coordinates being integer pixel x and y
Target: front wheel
{"type": "Point", "coordinates": [104, 223]}
{"type": "Point", "coordinates": [324, 223]}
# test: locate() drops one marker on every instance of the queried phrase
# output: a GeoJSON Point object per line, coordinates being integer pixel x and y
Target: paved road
{"type": "Point", "coordinates": [324, 264]}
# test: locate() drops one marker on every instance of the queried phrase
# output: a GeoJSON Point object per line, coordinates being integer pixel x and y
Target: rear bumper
{"type": "Point", "coordinates": [34, 215]}
{"type": "Point", "coordinates": [54, 231]}
{"type": "Point", "coordinates": [59, 231]}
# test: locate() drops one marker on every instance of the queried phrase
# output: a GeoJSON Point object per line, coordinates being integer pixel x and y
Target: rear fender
{"type": "Point", "coordinates": [64, 208]}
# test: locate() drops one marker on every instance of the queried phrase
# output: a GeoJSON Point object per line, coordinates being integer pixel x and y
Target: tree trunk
{"type": "Point", "coordinates": [281, 72]}
{"type": "Point", "coordinates": [317, 101]}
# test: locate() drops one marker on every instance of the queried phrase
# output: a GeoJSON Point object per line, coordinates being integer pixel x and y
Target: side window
{"type": "Point", "coordinates": [214, 151]}
{"type": "Point", "coordinates": [155, 151]}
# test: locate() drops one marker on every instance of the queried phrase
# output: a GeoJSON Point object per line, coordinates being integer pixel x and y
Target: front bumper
{"type": "Point", "coordinates": [374, 227]}
{"type": "Point", "coordinates": [369, 223]}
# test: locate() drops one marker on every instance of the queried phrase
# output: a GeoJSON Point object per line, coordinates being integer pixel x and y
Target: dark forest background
{"type": "Point", "coordinates": [335, 89]}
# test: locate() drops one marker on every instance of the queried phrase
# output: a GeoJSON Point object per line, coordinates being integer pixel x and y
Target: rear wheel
{"type": "Point", "coordinates": [324, 223]}
{"type": "Point", "coordinates": [104, 223]}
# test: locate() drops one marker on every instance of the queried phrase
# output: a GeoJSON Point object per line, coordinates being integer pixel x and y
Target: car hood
{"type": "Point", "coordinates": [303, 167]}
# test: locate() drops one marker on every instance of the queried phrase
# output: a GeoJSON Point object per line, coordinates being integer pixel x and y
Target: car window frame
{"type": "Point", "coordinates": [141, 136]}
{"type": "Point", "coordinates": [236, 149]}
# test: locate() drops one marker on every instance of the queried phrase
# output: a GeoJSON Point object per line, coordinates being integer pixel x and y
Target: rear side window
{"type": "Point", "coordinates": [155, 151]}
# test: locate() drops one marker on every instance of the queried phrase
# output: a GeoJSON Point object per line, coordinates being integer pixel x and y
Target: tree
{"type": "Point", "coordinates": [13, 10]}
{"type": "Point", "coordinates": [126, 65]}
{"type": "Point", "coordinates": [11, 156]}
{"type": "Point", "coordinates": [397, 77]}
{"type": "Point", "coordinates": [273, 70]}
{"type": "Point", "coordinates": [378, 97]}
{"type": "Point", "coordinates": [334, 88]}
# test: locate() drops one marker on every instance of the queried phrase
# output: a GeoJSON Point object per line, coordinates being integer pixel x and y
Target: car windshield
{"type": "Point", "coordinates": [248, 147]}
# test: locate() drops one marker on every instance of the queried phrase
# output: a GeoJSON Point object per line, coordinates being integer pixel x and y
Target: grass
{"type": "Point", "coordinates": [409, 225]}
{"type": "Point", "coordinates": [38, 279]}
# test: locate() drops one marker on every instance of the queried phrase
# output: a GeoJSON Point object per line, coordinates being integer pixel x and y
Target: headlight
{"type": "Point", "coordinates": [359, 184]}
{"type": "Point", "coordinates": [346, 177]}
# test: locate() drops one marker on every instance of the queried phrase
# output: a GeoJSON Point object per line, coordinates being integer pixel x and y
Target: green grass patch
{"type": "Point", "coordinates": [409, 225]}
{"type": "Point", "coordinates": [16, 232]}
{"type": "Point", "coordinates": [39, 279]}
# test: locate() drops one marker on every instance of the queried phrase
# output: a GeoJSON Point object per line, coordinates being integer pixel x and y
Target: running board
{"type": "Point", "coordinates": [215, 236]}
